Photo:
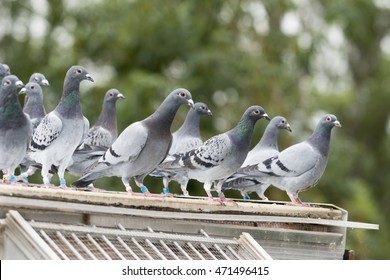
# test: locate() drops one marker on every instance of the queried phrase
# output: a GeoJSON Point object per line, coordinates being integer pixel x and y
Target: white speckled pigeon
{"type": "Point", "coordinates": [300, 167]}
{"type": "Point", "coordinates": [60, 131]}
{"type": "Point", "coordinates": [15, 128]}
{"type": "Point", "coordinates": [266, 148]}
{"type": "Point", "coordinates": [141, 147]}
{"type": "Point", "coordinates": [186, 138]}
{"type": "Point", "coordinates": [220, 156]}
{"type": "Point", "coordinates": [100, 136]}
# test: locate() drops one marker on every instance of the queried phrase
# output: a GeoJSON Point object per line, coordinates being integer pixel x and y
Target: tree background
{"type": "Point", "coordinates": [296, 58]}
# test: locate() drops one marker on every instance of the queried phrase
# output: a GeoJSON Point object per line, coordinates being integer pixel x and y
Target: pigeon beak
{"type": "Point", "coordinates": [45, 82]}
{"type": "Point", "coordinates": [265, 116]}
{"type": "Point", "coordinates": [19, 84]}
{"type": "Point", "coordinates": [121, 96]}
{"type": "Point", "coordinates": [288, 127]}
{"type": "Point", "coordinates": [190, 103]}
{"type": "Point", "coordinates": [23, 91]}
{"type": "Point", "coordinates": [88, 77]}
{"type": "Point", "coordinates": [209, 113]}
{"type": "Point", "coordinates": [337, 123]}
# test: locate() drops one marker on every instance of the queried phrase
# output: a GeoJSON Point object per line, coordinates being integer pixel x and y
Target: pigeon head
{"type": "Point", "coordinates": [4, 71]}
{"type": "Point", "coordinates": [181, 96]}
{"type": "Point", "coordinates": [31, 89]}
{"type": "Point", "coordinates": [281, 123]}
{"type": "Point", "coordinates": [8, 93]}
{"type": "Point", "coordinates": [328, 122]}
{"type": "Point", "coordinates": [202, 109]}
{"type": "Point", "coordinates": [78, 73]}
{"type": "Point", "coordinates": [255, 113]}
{"type": "Point", "coordinates": [113, 95]}
{"type": "Point", "coordinates": [10, 83]}
{"type": "Point", "coordinates": [39, 79]}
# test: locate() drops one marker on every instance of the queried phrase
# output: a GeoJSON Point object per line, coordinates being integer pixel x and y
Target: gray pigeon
{"type": "Point", "coordinates": [141, 147]}
{"type": "Point", "coordinates": [40, 79]}
{"type": "Point", "coordinates": [100, 137]}
{"type": "Point", "coordinates": [186, 138]}
{"type": "Point", "coordinates": [4, 71]}
{"type": "Point", "coordinates": [299, 167]}
{"type": "Point", "coordinates": [15, 128]}
{"type": "Point", "coordinates": [105, 130]}
{"type": "Point", "coordinates": [60, 131]}
{"type": "Point", "coordinates": [33, 103]}
{"type": "Point", "coordinates": [266, 148]}
{"type": "Point", "coordinates": [220, 156]}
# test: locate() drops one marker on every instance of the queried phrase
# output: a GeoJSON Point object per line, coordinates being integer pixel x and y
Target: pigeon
{"type": "Point", "coordinates": [220, 156]}
{"type": "Point", "coordinates": [266, 148]}
{"type": "Point", "coordinates": [4, 71]}
{"type": "Point", "coordinates": [15, 128]}
{"type": "Point", "coordinates": [105, 130]}
{"type": "Point", "coordinates": [141, 147]}
{"type": "Point", "coordinates": [99, 138]}
{"type": "Point", "coordinates": [40, 79]}
{"type": "Point", "coordinates": [299, 167]}
{"type": "Point", "coordinates": [33, 103]}
{"type": "Point", "coordinates": [186, 138]}
{"type": "Point", "coordinates": [60, 131]}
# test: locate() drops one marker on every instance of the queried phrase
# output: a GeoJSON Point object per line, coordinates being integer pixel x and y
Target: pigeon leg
{"type": "Point", "coordinates": [296, 200]}
{"type": "Point", "coordinates": [245, 196]}
{"type": "Point", "coordinates": [45, 178]}
{"type": "Point", "coordinates": [143, 188]}
{"type": "Point", "coordinates": [183, 186]}
{"type": "Point", "coordinates": [126, 183]}
{"type": "Point", "coordinates": [61, 174]}
{"type": "Point", "coordinates": [260, 193]}
{"type": "Point", "coordinates": [166, 192]}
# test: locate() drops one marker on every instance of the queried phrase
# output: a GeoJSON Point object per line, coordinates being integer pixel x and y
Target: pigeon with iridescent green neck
{"type": "Point", "coordinates": [220, 156]}
{"type": "Point", "coordinates": [61, 131]}
{"type": "Point", "coordinates": [141, 147]}
{"type": "Point", "coordinates": [15, 128]}
{"type": "Point", "coordinates": [266, 148]}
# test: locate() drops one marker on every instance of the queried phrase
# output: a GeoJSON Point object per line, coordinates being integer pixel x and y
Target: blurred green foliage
{"type": "Point", "coordinates": [295, 58]}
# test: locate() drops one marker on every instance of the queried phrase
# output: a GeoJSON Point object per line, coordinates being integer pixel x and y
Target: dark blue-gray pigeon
{"type": "Point", "coordinates": [33, 103]}
{"type": "Point", "coordinates": [61, 131]}
{"type": "Point", "coordinates": [15, 128]}
{"type": "Point", "coordinates": [104, 132]}
{"type": "Point", "coordinates": [141, 147]}
{"type": "Point", "coordinates": [266, 148]}
{"type": "Point", "coordinates": [220, 156]}
{"type": "Point", "coordinates": [299, 167]}
{"type": "Point", "coordinates": [186, 138]}
{"type": "Point", "coordinates": [100, 137]}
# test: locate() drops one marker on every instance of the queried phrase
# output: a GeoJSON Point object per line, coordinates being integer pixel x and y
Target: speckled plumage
{"type": "Point", "coordinates": [186, 138]}
{"type": "Point", "coordinates": [267, 147]}
{"type": "Point", "coordinates": [61, 130]}
{"type": "Point", "coordinates": [220, 156]}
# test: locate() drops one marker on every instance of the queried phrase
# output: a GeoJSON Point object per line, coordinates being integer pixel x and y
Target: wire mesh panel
{"type": "Point", "coordinates": [90, 242]}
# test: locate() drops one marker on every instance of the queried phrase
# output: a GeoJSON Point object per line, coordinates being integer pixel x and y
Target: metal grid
{"type": "Point", "coordinates": [90, 242]}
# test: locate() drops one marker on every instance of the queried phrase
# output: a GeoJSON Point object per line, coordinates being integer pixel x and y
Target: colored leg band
{"type": "Point", "coordinates": [62, 181]}
{"type": "Point", "coordinates": [221, 195]}
{"type": "Point", "coordinates": [144, 189]}
{"type": "Point", "coordinates": [246, 197]}
{"type": "Point", "coordinates": [165, 190]}
{"type": "Point", "coordinates": [46, 181]}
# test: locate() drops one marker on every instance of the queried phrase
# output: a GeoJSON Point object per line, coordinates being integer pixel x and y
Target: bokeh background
{"type": "Point", "coordinates": [296, 58]}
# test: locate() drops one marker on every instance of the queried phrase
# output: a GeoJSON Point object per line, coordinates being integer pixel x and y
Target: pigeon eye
{"type": "Point", "coordinates": [111, 94]}
{"type": "Point", "coordinates": [7, 82]}
{"type": "Point", "coordinates": [202, 108]}
{"type": "Point", "coordinates": [182, 94]}
{"type": "Point", "coordinates": [283, 121]}
{"type": "Point", "coordinates": [32, 87]}
{"type": "Point", "coordinates": [328, 119]}
{"type": "Point", "coordinates": [256, 112]}
{"type": "Point", "coordinates": [78, 71]}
